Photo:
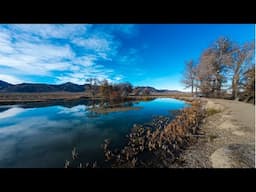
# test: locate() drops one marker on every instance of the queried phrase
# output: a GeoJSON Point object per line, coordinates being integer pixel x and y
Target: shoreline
{"type": "Point", "coordinates": [30, 98]}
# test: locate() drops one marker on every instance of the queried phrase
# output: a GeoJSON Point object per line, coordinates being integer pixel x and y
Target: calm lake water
{"type": "Point", "coordinates": [44, 136]}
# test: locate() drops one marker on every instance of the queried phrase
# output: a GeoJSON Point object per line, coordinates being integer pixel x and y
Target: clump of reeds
{"type": "Point", "coordinates": [75, 161]}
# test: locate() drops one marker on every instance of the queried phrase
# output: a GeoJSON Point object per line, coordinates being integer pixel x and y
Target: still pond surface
{"type": "Point", "coordinates": [44, 136]}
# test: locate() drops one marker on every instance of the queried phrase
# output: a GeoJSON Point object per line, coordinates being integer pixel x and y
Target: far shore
{"type": "Point", "coordinates": [22, 98]}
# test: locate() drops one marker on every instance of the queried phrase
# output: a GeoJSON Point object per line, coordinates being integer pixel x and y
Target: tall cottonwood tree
{"type": "Point", "coordinates": [221, 49]}
{"type": "Point", "coordinates": [189, 76]}
{"type": "Point", "coordinates": [213, 66]}
{"type": "Point", "coordinates": [241, 60]}
{"type": "Point", "coordinates": [205, 73]}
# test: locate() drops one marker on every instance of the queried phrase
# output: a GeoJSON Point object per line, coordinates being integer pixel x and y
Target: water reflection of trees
{"type": "Point", "coordinates": [95, 109]}
{"type": "Point", "coordinates": [91, 105]}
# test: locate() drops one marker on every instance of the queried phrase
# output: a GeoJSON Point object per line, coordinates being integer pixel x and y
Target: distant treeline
{"type": "Point", "coordinates": [108, 91]}
{"type": "Point", "coordinates": [120, 91]}
{"type": "Point", "coordinates": [224, 67]}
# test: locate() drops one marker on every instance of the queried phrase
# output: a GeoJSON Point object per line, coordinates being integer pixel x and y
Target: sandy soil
{"type": "Point", "coordinates": [227, 140]}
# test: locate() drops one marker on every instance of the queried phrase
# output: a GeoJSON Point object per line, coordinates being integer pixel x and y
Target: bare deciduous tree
{"type": "Point", "coordinates": [222, 49]}
{"type": "Point", "coordinates": [189, 75]}
{"type": "Point", "coordinates": [248, 84]}
{"type": "Point", "coordinates": [93, 83]}
{"type": "Point", "coordinates": [105, 89]}
{"type": "Point", "coordinates": [241, 60]}
{"type": "Point", "coordinates": [205, 72]}
{"type": "Point", "coordinates": [213, 66]}
{"type": "Point", "coordinates": [223, 61]}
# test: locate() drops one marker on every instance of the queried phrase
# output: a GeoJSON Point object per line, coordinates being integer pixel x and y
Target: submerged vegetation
{"type": "Point", "coordinates": [157, 144]}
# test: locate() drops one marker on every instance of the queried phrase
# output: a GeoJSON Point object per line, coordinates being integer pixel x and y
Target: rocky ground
{"type": "Point", "coordinates": [227, 140]}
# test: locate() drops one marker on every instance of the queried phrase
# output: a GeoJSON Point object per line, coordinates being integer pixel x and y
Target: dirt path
{"type": "Point", "coordinates": [228, 139]}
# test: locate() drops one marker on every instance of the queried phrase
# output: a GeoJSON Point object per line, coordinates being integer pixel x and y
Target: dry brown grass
{"type": "Point", "coordinates": [12, 98]}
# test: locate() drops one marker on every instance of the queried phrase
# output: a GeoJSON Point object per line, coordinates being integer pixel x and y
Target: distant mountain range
{"type": "Point", "coordinates": [37, 88]}
{"type": "Point", "coordinates": [151, 90]}
{"type": "Point", "coordinates": [67, 87]}
{"type": "Point", "coordinates": [4, 85]}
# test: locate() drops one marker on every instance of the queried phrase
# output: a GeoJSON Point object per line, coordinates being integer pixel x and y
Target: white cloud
{"type": "Point", "coordinates": [32, 49]}
{"type": "Point", "coordinates": [53, 31]}
{"type": "Point", "coordinates": [86, 61]}
{"type": "Point", "coordinates": [34, 58]}
{"type": "Point", "coordinates": [5, 46]}
{"type": "Point", "coordinates": [80, 77]}
{"type": "Point", "coordinates": [78, 110]}
{"type": "Point", "coordinates": [95, 43]}
{"type": "Point", "coordinates": [45, 51]}
{"type": "Point", "coordinates": [10, 79]}
{"type": "Point", "coordinates": [101, 45]}
{"type": "Point", "coordinates": [29, 65]}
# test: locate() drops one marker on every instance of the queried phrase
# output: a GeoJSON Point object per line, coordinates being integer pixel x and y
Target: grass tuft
{"type": "Point", "coordinates": [212, 111]}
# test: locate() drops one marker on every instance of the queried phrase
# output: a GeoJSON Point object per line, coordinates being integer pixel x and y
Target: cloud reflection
{"type": "Point", "coordinates": [11, 112]}
{"type": "Point", "coordinates": [78, 110]}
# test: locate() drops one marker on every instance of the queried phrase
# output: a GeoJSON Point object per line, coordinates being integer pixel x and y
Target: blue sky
{"type": "Point", "coordinates": [144, 55]}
